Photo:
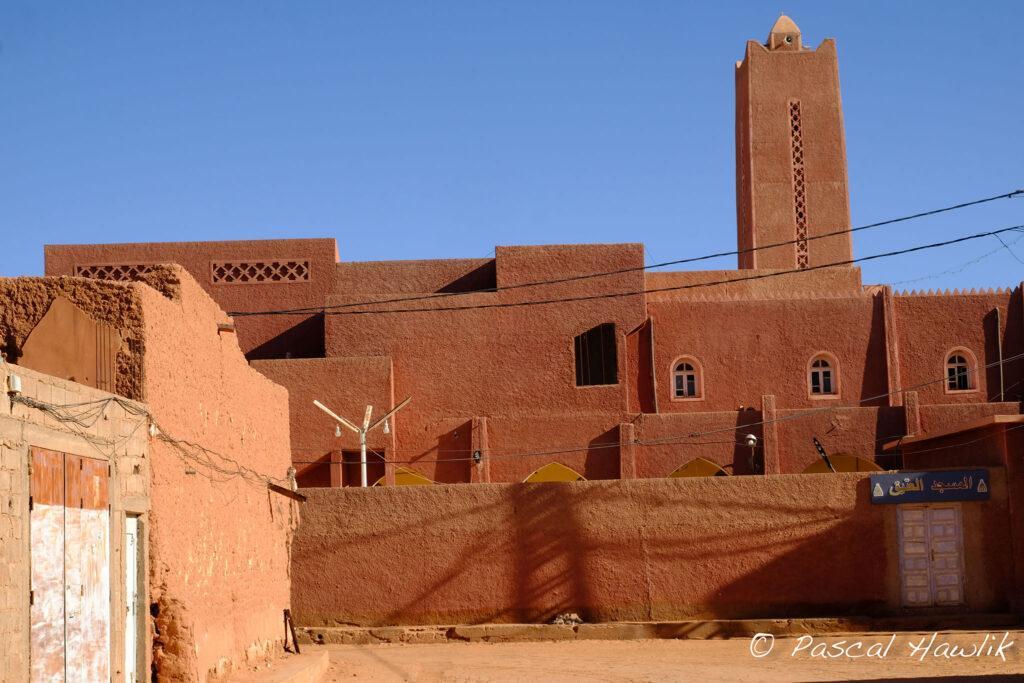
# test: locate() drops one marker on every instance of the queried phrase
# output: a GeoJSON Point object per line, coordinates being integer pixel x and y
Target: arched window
{"type": "Point", "coordinates": [958, 372]}
{"type": "Point", "coordinates": [823, 380]}
{"type": "Point", "coordinates": [686, 380]}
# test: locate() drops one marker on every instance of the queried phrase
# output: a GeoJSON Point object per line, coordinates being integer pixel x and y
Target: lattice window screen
{"type": "Point", "coordinates": [121, 272]}
{"type": "Point", "coordinates": [799, 191]}
{"type": "Point", "coordinates": [252, 272]}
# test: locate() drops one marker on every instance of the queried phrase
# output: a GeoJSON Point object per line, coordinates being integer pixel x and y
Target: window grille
{"type": "Point", "coordinates": [799, 191]}
{"type": "Point", "coordinates": [120, 272]}
{"type": "Point", "coordinates": [251, 272]}
{"type": "Point", "coordinates": [596, 358]}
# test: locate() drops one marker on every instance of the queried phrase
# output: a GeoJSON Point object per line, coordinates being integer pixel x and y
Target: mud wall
{"type": "Point", "coordinates": [219, 569]}
{"type": "Point", "coordinates": [715, 547]}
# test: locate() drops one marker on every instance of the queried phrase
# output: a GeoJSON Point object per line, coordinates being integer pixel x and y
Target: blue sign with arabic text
{"type": "Point", "coordinates": [930, 487]}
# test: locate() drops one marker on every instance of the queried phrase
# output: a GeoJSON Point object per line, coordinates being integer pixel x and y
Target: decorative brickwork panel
{"type": "Point", "coordinates": [799, 191]}
{"type": "Point", "coordinates": [254, 272]}
{"type": "Point", "coordinates": [121, 272]}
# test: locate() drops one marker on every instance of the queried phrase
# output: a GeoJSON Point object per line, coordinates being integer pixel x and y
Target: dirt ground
{"type": "Point", "coordinates": [692, 660]}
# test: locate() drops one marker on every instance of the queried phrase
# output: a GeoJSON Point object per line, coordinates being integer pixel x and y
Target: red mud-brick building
{"type": "Point", "coordinates": [637, 374]}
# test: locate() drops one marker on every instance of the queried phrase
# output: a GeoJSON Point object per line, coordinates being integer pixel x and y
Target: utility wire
{"type": "Point", "coordinates": [84, 415]}
{"type": "Point", "coordinates": [674, 288]}
{"type": "Point", "coordinates": [694, 259]}
{"type": "Point", "coordinates": [692, 435]}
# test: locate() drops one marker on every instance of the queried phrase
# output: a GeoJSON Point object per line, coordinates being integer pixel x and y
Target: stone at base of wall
{"type": "Point", "coordinates": [702, 630]}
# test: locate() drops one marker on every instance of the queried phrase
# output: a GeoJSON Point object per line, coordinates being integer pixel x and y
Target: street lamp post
{"type": "Point", "coordinates": [363, 430]}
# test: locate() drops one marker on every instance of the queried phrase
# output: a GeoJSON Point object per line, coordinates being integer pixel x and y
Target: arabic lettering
{"type": "Point", "coordinates": [899, 487]}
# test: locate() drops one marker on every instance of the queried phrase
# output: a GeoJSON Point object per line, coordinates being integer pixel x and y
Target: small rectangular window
{"type": "Point", "coordinates": [596, 359]}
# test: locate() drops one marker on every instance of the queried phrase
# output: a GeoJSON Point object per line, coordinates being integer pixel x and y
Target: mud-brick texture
{"type": "Point", "coordinates": [120, 438]}
{"type": "Point", "coordinates": [636, 550]}
{"type": "Point", "coordinates": [24, 301]}
{"type": "Point", "coordinates": [219, 541]}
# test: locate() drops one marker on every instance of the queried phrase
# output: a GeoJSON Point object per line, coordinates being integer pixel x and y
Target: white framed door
{"type": "Point", "coordinates": [131, 583]}
{"type": "Point", "coordinates": [931, 555]}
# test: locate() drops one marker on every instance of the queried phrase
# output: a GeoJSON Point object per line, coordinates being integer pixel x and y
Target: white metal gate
{"type": "Point", "coordinates": [931, 555]}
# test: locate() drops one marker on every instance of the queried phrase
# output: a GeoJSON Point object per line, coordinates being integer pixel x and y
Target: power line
{"type": "Point", "coordinates": [691, 435]}
{"type": "Point", "coordinates": [674, 288]}
{"type": "Point", "coordinates": [621, 271]}
{"type": "Point", "coordinates": [959, 269]}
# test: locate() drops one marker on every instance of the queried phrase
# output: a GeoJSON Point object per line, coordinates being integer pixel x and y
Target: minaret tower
{"type": "Point", "coordinates": [790, 153]}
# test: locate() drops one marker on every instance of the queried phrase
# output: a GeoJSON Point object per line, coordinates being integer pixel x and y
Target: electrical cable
{"type": "Point", "coordinates": [198, 454]}
{"type": "Point", "coordinates": [621, 271]}
{"type": "Point", "coordinates": [674, 288]}
{"type": "Point", "coordinates": [691, 435]}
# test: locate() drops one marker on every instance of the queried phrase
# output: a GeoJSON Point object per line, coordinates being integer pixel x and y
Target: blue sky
{"type": "Point", "coordinates": [439, 129]}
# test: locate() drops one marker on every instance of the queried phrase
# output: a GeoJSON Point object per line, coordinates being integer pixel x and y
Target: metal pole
{"type": "Point", "coordinates": [362, 462]}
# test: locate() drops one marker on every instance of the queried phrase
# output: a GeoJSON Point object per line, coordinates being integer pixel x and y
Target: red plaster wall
{"type": "Point", "coordinates": [346, 386]}
{"type": "Point", "coordinates": [665, 445]}
{"type": "Point", "coordinates": [929, 326]}
{"type": "Point", "coordinates": [722, 547]}
{"type": "Point", "coordinates": [766, 283]}
{"type": "Point", "coordinates": [370, 278]}
{"type": "Point", "coordinates": [859, 432]}
{"type": "Point", "coordinates": [219, 544]}
{"type": "Point", "coordinates": [751, 348]}
{"type": "Point", "coordinates": [515, 364]}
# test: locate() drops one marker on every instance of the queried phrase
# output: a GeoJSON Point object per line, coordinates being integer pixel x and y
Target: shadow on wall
{"type": "Point", "coordinates": [602, 458]}
{"type": "Point", "coordinates": [550, 555]}
{"type": "Point", "coordinates": [484, 278]}
{"type": "Point", "coordinates": [874, 381]}
{"type": "Point", "coordinates": [453, 451]}
{"type": "Point", "coordinates": [664, 550]}
{"type": "Point", "coordinates": [304, 340]}
{"type": "Point", "coordinates": [550, 569]}
{"type": "Point", "coordinates": [890, 424]}
{"type": "Point", "coordinates": [1013, 343]}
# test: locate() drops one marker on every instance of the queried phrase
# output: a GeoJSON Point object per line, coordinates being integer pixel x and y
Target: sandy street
{"type": "Point", "coordinates": [893, 657]}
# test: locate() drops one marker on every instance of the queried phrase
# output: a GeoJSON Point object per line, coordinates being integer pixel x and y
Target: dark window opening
{"type": "Point", "coordinates": [596, 359]}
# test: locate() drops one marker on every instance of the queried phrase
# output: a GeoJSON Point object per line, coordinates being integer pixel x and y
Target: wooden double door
{"type": "Point", "coordinates": [70, 545]}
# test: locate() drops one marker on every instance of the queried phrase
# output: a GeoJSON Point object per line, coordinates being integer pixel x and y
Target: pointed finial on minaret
{"type": "Point", "coordinates": [785, 35]}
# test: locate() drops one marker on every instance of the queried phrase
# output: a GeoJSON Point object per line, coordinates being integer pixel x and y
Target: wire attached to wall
{"type": "Point", "coordinates": [84, 415]}
{"type": "Point", "coordinates": [657, 290]}
{"type": "Point", "coordinates": [687, 439]}
{"type": "Point", "coordinates": [622, 271]}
